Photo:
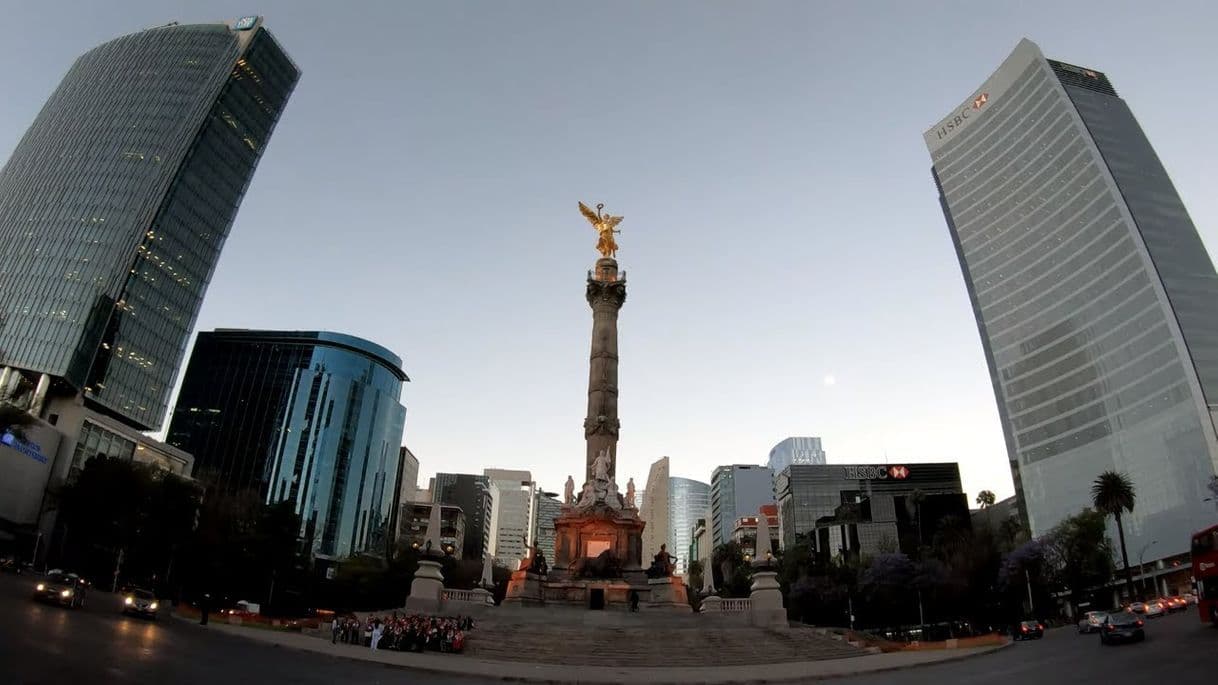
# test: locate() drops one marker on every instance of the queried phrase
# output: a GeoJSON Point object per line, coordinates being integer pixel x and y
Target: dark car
{"type": "Point", "coordinates": [1122, 627]}
{"type": "Point", "coordinates": [66, 589]}
{"type": "Point", "coordinates": [1028, 630]}
{"type": "Point", "coordinates": [10, 565]}
{"type": "Point", "coordinates": [139, 602]}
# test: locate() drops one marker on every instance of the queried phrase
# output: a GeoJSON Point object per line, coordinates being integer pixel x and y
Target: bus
{"type": "Point", "coordinates": [1205, 573]}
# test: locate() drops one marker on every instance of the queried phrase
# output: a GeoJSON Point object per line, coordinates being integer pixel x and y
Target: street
{"type": "Point", "coordinates": [47, 644]}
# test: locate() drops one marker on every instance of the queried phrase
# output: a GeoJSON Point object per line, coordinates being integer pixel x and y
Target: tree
{"type": "Point", "coordinates": [985, 499]}
{"type": "Point", "coordinates": [1112, 494]}
{"type": "Point", "coordinates": [733, 575]}
{"type": "Point", "coordinates": [1079, 554]}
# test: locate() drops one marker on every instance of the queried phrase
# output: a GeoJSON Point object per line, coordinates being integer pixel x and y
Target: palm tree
{"type": "Point", "coordinates": [1112, 493]}
{"type": "Point", "coordinates": [986, 498]}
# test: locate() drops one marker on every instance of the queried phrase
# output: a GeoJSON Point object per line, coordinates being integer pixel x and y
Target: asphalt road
{"type": "Point", "coordinates": [47, 644]}
{"type": "Point", "coordinates": [1179, 650]}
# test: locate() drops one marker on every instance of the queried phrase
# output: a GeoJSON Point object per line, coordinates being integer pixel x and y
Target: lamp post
{"type": "Point", "coordinates": [1141, 568]}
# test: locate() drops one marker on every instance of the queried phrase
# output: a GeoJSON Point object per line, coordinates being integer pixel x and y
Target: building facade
{"type": "Point", "coordinates": [546, 507]}
{"type": "Point", "coordinates": [734, 491]}
{"type": "Point", "coordinates": [512, 494]}
{"type": "Point", "coordinates": [408, 480]}
{"type": "Point", "coordinates": [313, 418]}
{"type": "Point", "coordinates": [1093, 294]}
{"type": "Point", "coordinates": [867, 509]}
{"type": "Point", "coordinates": [473, 494]}
{"type": "Point", "coordinates": [744, 532]}
{"type": "Point", "coordinates": [653, 508]}
{"type": "Point", "coordinates": [806, 450]}
{"type": "Point", "coordinates": [116, 203]}
{"type": "Point", "coordinates": [687, 502]}
{"type": "Point", "coordinates": [414, 518]}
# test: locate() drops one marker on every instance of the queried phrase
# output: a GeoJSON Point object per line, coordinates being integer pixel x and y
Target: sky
{"type": "Point", "coordinates": [789, 269]}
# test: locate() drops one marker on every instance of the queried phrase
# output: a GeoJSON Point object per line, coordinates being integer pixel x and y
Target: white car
{"type": "Point", "coordinates": [1155, 608]}
{"type": "Point", "coordinates": [1092, 621]}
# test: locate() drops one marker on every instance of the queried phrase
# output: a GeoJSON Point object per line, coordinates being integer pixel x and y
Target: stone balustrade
{"type": "Point", "coordinates": [461, 596]}
{"type": "Point", "coordinates": [719, 605]}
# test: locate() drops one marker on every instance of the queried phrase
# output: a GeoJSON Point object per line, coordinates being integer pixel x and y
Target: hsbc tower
{"type": "Point", "coordinates": [1096, 302]}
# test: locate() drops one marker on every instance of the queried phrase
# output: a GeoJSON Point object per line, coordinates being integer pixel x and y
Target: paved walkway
{"type": "Point", "coordinates": [459, 664]}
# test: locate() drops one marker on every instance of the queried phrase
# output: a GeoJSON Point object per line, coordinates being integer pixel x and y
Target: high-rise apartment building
{"type": "Point", "coordinates": [735, 491]}
{"type": "Point", "coordinates": [313, 418]}
{"type": "Point", "coordinates": [806, 450]}
{"type": "Point", "coordinates": [115, 205]}
{"type": "Point", "coordinates": [473, 494]}
{"type": "Point", "coordinates": [1093, 294]}
{"type": "Point", "coordinates": [653, 508]}
{"type": "Point", "coordinates": [511, 514]}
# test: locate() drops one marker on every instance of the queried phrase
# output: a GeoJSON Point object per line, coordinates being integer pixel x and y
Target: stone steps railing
{"type": "Point", "coordinates": [719, 605]}
{"type": "Point", "coordinates": [460, 596]}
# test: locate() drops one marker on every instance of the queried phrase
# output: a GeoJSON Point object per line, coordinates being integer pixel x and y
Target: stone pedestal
{"type": "Point", "coordinates": [581, 536]}
{"type": "Point", "coordinates": [712, 604]}
{"type": "Point", "coordinates": [766, 608]}
{"type": "Point", "coordinates": [668, 594]}
{"type": "Point", "coordinates": [426, 588]}
{"type": "Point", "coordinates": [524, 589]}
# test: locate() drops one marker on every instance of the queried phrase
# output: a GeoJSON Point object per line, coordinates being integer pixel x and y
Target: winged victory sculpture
{"type": "Point", "coordinates": [604, 225]}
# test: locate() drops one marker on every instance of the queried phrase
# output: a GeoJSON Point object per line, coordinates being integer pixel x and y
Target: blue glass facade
{"type": "Point", "coordinates": [735, 491]}
{"type": "Point", "coordinates": [313, 418]}
{"type": "Point", "coordinates": [1093, 294]}
{"type": "Point", "coordinates": [688, 501]}
{"type": "Point", "coordinates": [115, 204]}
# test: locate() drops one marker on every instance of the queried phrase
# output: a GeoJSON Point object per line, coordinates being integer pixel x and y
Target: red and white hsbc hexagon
{"type": "Point", "coordinates": [898, 472]}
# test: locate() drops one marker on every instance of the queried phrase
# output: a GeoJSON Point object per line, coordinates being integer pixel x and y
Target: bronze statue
{"type": "Point", "coordinates": [604, 225]}
{"type": "Point", "coordinates": [663, 565]}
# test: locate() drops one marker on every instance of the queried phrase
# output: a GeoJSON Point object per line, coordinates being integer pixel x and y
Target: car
{"type": "Point", "coordinates": [1155, 609]}
{"type": "Point", "coordinates": [1189, 599]}
{"type": "Point", "coordinates": [1137, 607]}
{"type": "Point", "coordinates": [1122, 627]}
{"type": "Point", "coordinates": [1091, 621]}
{"type": "Point", "coordinates": [1175, 604]}
{"type": "Point", "coordinates": [139, 602]}
{"type": "Point", "coordinates": [66, 589]}
{"type": "Point", "coordinates": [1028, 630]}
{"type": "Point", "coordinates": [10, 565]}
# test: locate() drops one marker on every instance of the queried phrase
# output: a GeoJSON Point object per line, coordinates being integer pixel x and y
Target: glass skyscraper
{"type": "Point", "coordinates": [313, 418]}
{"type": "Point", "coordinates": [796, 451]}
{"type": "Point", "coordinates": [1093, 294]}
{"type": "Point", "coordinates": [737, 490]}
{"type": "Point", "coordinates": [688, 501]}
{"type": "Point", "coordinates": [115, 204]}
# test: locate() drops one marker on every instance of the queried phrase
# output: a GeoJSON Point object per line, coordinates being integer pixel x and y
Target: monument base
{"type": "Point", "coordinates": [583, 536]}
{"type": "Point", "coordinates": [524, 589]}
{"type": "Point", "coordinates": [426, 588]}
{"type": "Point", "coordinates": [765, 605]}
{"type": "Point", "coordinates": [668, 594]}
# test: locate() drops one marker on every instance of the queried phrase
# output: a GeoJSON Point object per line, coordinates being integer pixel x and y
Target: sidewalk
{"type": "Point", "coordinates": [460, 665]}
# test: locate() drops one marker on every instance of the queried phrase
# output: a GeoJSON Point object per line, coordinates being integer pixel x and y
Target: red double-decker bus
{"type": "Point", "coordinates": [1205, 572]}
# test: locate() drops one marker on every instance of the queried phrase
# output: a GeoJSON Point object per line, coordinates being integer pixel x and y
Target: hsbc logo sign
{"type": "Point", "coordinates": [877, 472]}
{"type": "Point", "coordinates": [960, 117]}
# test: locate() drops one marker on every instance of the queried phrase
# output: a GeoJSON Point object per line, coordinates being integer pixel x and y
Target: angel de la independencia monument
{"type": "Point", "coordinates": [598, 542]}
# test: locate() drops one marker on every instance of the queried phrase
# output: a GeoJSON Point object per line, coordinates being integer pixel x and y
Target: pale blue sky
{"type": "Point", "coordinates": [781, 221]}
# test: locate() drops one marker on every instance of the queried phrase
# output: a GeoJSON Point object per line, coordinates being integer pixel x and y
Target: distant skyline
{"type": "Point", "coordinates": [790, 272]}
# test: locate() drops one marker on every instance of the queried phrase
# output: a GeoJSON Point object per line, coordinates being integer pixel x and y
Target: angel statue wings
{"type": "Point", "coordinates": [604, 225]}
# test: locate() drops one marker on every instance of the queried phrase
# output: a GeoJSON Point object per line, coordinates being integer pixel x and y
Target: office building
{"type": "Point", "coordinates": [795, 451]}
{"type": "Point", "coordinates": [408, 477]}
{"type": "Point", "coordinates": [114, 207]}
{"type": "Point", "coordinates": [687, 502]}
{"type": "Point", "coordinates": [653, 509]}
{"type": "Point", "coordinates": [699, 542]}
{"type": "Point", "coordinates": [867, 509]}
{"type": "Point", "coordinates": [309, 417]}
{"type": "Point", "coordinates": [1093, 294]}
{"type": "Point", "coordinates": [414, 518]}
{"type": "Point", "coordinates": [995, 516]}
{"type": "Point", "coordinates": [473, 494]}
{"type": "Point", "coordinates": [511, 515]}
{"type": "Point", "coordinates": [736, 491]}
{"type": "Point", "coordinates": [546, 508]}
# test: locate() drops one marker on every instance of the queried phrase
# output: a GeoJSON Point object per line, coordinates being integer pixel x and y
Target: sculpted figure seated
{"type": "Point", "coordinates": [539, 565]}
{"type": "Point", "coordinates": [663, 565]}
{"type": "Point", "coordinates": [605, 565]}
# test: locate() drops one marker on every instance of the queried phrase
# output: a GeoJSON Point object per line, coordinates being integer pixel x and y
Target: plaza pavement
{"type": "Point", "coordinates": [462, 665]}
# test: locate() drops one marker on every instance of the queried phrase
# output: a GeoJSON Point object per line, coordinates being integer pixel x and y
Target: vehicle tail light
{"type": "Point", "coordinates": [1110, 627]}
{"type": "Point", "coordinates": [1023, 629]}
{"type": "Point", "coordinates": [1139, 623]}
{"type": "Point", "coordinates": [1040, 626]}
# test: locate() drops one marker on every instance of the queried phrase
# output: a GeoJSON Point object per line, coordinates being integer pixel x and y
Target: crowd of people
{"type": "Point", "coordinates": [403, 633]}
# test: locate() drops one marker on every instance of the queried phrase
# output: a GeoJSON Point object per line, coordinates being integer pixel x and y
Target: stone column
{"type": "Point", "coordinates": [606, 293]}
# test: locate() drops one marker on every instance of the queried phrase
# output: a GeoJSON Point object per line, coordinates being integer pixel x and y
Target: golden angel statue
{"type": "Point", "coordinates": [604, 225]}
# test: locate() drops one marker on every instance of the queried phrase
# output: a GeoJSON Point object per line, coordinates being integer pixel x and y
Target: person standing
{"type": "Point", "coordinates": [334, 628]}
{"type": "Point", "coordinates": [377, 631]}
{"type": "Point", "coordinates": [204, 607]}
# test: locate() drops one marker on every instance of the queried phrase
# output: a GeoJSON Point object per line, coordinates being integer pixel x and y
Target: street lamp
{"type": "Point", "coordinates": [1141, 568]}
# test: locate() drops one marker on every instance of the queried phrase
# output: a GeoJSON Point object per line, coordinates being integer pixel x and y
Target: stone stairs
{"type": "Point", "coordinates": [654, 644]}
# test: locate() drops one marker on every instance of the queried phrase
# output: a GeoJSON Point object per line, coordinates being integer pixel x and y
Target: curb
{"type": "Point", "coordinates": [655, 676]}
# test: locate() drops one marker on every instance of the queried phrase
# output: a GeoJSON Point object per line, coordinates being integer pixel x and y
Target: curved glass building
{"type": "Point", "coordinates": [309, 417]}
{"type": "Point", "coordinates": [1093, 294]}
{"type": "Point", "coordinates": [688, 501]}
{"type": "Point", "coordinates": [115, 204]}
